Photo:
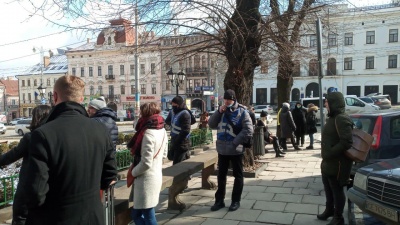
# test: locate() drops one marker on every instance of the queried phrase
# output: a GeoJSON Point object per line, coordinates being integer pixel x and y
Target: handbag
{"type": "Point", "coordinates": [129, 177]}
{"type": "Point", "coordinates": [361, 144]}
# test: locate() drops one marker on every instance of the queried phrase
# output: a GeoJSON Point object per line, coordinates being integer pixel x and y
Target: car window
{"type": "Point", "coordinates": [364, 124]}
{"type": "Point", "coordinates": [395, 128]}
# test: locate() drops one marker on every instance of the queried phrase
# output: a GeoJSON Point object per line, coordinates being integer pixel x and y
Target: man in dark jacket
{"type": "Point", "coordinates": [335, 166]}
{"type": "Point", "coordinates": [299, 118]}
{"type": "Point", "coordinates": [99, 111]}
{"type": "Point", "coordinates": [287, 127]}
{"type": "Point", "coordinates": [234, 127]}
{"type": "Point", "coordinates": [71, 158]}
{"type": "Point", "coordinates": [180, 119]}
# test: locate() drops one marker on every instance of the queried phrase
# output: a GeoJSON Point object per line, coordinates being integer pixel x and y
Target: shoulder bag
{"type": "Point", "coordinates": [129, 177]}
{"type": "Point", "coordinates": [361, 144]}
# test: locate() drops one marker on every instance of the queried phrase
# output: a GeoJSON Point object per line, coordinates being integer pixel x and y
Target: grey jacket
{"type": "Point", "coordinates": [234, 147]}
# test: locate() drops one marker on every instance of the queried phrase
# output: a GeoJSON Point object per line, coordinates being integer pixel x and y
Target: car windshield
{"type": "Point", "coordinates": [260, 106]}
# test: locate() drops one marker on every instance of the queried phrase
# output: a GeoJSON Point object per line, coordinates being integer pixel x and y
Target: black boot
{"type": "Point", "coordinates": [326, 214]}
{"type": "Point", "coordinates": [310, 147]}
{"type": "Point", "coordinates": [337, 220]}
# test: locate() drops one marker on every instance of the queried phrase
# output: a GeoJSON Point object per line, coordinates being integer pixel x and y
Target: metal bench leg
{"type": "Point", "coordinates": [174, 203]}
{"type": "Point", "coordinates": [206, 183]}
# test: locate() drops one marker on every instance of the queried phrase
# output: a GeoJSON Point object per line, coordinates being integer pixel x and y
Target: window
{"type": "Point", "coordinates": [393, 35]}
{"type": "Point", "coordinates": [153, 89]}
{"type": "Point", "coordinates": [264, 67]}
{"type": "Point", "coordinates": [142, 69]}
{"type": "Point", "coordinates": [331, 67]}
{"type": "Point", "coordinates": [296, 68]}
{"type": "Point", "coordinates": [122, 89]}
{"type": "Point", "coordinates": [313, 41]}
{"type": "Point", "coordinates": [111, 90]}
{"type": "Point", "coordinates": [348, 38]}
{"type": "Point", "coordinates": [35, 82]}
{"type": "Point", "coordinates": [90, 71]}
{"type": "Point", "coordinates": [153, 68]}
{"type": "Point", "coordinates": [23, 83]}
{"type": "Point", "coordinates": [197, 62]}
{"type": "Point", "coordinates": [369, 62]}
{"type": "Point", "coordinates": [121, 70]}
{"type": "Point", "coordinates": [99, 71]}
{"type": "Point", "coordinates": [143, 89]}
{"type": "Point", "coordinates": [203, 61]}
{"type": "Point", "coordinates": [332, 40]}
{"type": "Point", "coordinates": [23, 96]}
{"type": "Point", "coordinates": [313, 67]}
{"type": "Point", "coordinates": [48, 82]}
{"type": "Point", "coordinates": [82, 71]}
{"type": "Point", "coordinates": [133, 89]}
{"type": "Point", "coordinates": [109, 40]}
{"type": "Point", "coordinates": [167, 85]}
{"type": "Point", "coordinates": [74, 71]}
{"type": "Point", "coordinates": [132, 69]}
{"type": "Point", "coordinates": [29, 96]}
{"type": "Point", "coordinates": [29, 82]}
{"type": "Point", "coordinates": [348, 63]}
{"type": "Point", "coordinates": [167, 66]}
{"type": "Point", "coordinates": [91, 90]}
{"type": "Point", "coordinates": [181, 64]}
{"type": "Point", "coordinates": [370, 37]}
{"type": "Point", "coordinates": [100, 90]}
{"type": "Point", "coordinates": [392, 61]}
{"type": "Point", "coordinates": [110, 70]}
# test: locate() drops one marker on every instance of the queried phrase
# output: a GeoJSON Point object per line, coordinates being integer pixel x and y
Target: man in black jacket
{"type": "Point", "coordinates": [99, 111]}
{"type": "Point", "coordinates": [180, 119]}
{"type": "Point", "coordinates": [71, 158]}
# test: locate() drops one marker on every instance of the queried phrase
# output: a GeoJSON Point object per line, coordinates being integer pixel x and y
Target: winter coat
{"type": "Point", "coordinates": [108, 117]}
{"type": "Point", "coordinates": [266, 131]}
{"type": "Point", "coordinates": [71, 158]}
{"type": "Point", "coordinates": [336, 141]}
{"type": "Point", "coordinates": [148, 172]}
{"type": "Point", "coordinates": [299, 118]}
{"type": "Point", "coordinates": [229, 143]}
{"type": "Point", "coordinates": [286, 122]}
{"type": "Point", "coordinates": [311, 121]}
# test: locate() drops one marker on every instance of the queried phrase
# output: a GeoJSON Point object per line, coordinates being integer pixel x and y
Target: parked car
{"type": "Point", "coordinates": [384, 126]}
{"type": "Point", "coordinates": [15, 121]}
{"type": "Point", "coordinates": [21, 127]}
{"type": "Point", "coordinates": [376, 190]}
{"type": "Point", "coordinates": [2, 129]}
{"type": "Point", "coordinates": [383, 101]}
{"type": "Point", "coordinates": [265, 108]}
{"type": "Point", "coordinates": [367, 100]}
{"type": "Point", "coordinates": [269, 117]}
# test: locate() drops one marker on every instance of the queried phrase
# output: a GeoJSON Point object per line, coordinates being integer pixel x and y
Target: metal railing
{"type": "Point", "coordinates": [7, 189]}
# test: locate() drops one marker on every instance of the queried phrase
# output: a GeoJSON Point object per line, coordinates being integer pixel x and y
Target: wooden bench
{"type": "Point", "coordinates": [175, 178]}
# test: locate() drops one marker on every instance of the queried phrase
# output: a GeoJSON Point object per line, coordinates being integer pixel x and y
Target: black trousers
{"type": "Point", "coordinates": [282, 142]}
{"type": "Point", "coordinates": [299, 139]}
{"type": "Point", "coordinates": [237, 167]}
{"type": "Point", "coordinates": [180, 150]}
{"type": "Point", "coordinates": [334, 193]}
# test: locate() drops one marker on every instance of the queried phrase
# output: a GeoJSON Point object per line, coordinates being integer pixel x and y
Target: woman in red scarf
{"type": "Point", "coordinates": [149, 147]}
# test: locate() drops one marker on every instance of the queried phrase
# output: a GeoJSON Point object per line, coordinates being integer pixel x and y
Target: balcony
{"type": "Point", "coordinates": [110, 77]}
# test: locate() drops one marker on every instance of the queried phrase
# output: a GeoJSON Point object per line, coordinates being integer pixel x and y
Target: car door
{"type": "Point", "coordinates": [353, 105]}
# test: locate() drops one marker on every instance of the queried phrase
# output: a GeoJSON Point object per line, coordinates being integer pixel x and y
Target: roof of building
{"type": "Point", "coordinates": [58, 64]}
{"type": "Point", "coordinates": [11, 86]}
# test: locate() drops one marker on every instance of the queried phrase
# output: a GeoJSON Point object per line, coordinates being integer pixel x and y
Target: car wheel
{"type": "Point", "coordinates": [20, 132]}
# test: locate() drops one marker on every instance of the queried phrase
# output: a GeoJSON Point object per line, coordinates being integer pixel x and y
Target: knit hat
{"type": "Point", "coordinates": [177, 100]}
{"type": "Point", "coordinates": [263, 114]}
{"type": "Point", "coordinates": [230, 94]}
{"type": "Point", "coordinates": [285, 104]}
{"type": "Point", "coordinates": [98, 103]}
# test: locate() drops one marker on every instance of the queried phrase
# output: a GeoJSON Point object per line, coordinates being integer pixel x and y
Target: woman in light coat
{"type": "Point", "coordinates": [149, 147]}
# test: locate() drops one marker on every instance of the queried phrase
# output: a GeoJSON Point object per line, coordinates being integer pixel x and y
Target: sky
{"type": "Point", "coordinates": [21, 33]}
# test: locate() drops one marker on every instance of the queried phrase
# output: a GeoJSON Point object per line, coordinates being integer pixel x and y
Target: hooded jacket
{"type": "Point", "coordinates": [286, 122]}
{"type": "Point", "coordinates": [311, 120]}
{"type": "Point", "coordinates": [229, 143]}
{"type": "Point", "coordinates": [299, 118]}
{"type": "Point", "coordinates": [107, 117]}
{"type": "Point", "coordinates": [336, 139]}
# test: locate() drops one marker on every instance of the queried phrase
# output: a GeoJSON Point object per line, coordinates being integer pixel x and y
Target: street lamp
{"type": "Point", "coordinates": [176, 79]}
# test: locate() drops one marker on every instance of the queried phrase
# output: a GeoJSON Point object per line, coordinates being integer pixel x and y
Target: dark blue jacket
{"type": "Point", "coordinates": [107, 117]}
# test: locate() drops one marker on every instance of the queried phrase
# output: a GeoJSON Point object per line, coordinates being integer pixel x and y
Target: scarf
{"type": "Point", "coordinates": [152, 122]}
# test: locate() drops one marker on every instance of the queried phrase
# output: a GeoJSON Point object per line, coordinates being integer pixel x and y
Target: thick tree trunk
{"type": "Point", "coordinates": [285, 79]}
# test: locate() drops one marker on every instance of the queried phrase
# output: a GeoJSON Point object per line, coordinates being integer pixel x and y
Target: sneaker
{"type": "Point", "coordinates": [217, 206]}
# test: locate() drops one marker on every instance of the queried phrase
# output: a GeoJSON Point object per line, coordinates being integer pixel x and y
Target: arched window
{"type": "Point", "coordinates": [109, 40]}
{"type": "Point", "coordinates": [313, 68]}
{"type": "Point", "coordinates": [296, 68]}
{"type": "Point", "coordinates": [203, 61]}
{"type": "Point", "coordinates": [100, 90]}
{"type": "Point", "coordinates": [331, 67]}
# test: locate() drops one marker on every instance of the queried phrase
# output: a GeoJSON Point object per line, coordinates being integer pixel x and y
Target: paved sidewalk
{"type": "Point", "coordinates": [288, 191]}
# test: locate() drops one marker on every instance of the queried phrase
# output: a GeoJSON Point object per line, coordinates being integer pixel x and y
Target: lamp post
{"type": "Point", "coordinates": [176, 79]}
{"type": "Point", "coordinates": [42, 92]}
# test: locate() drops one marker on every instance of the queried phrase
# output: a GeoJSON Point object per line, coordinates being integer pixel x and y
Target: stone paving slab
{"type": "Point", "coordinates": [259, 196]}
{"type": "Point", "coordinates": [243, 215]}
{"type": "Point", "coordinates": [270, 206]}
{"type": "Point", "coordinates": [220, 222]}
{"type": "Point", "coordinates": [302, 208]}
{"type": "Point", "coordinates": [287, 198]}
{"type": "Point", "coordinates": [276, 217]}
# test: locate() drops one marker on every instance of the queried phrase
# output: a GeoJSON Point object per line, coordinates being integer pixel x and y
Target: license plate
{"type": "Point", "coordinates": [383, 211]}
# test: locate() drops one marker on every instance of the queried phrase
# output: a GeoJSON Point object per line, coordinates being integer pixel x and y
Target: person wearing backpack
{"type": "Point", "coordinates": [230, 140]}
{"type": "Point", "coordinates": [180, 119]}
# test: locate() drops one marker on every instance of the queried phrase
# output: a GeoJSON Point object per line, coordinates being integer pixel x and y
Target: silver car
{"type": "Point", "coordinates": [21, 127]}
{"type": "Point", "coordinates": [2, 129]}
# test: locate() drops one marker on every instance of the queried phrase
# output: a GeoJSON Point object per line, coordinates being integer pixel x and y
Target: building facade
{"type": "Point", "coordinates": [360, 56]}
{"type": "Point", "coordinates": [10, 103]}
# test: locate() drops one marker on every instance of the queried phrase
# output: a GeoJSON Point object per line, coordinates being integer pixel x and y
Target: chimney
{"type": "Point", "coordinates": [46, 61]}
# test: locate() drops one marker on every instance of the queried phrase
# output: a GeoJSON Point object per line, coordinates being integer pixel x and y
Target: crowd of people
{"type": "Point", "coordinates": [70, 153]}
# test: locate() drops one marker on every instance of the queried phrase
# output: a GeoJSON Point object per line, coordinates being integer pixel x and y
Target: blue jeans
{"type": "Point", "coordinates": [144, 216]}
{"type": "Point", "coordinates": [311, 139]}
